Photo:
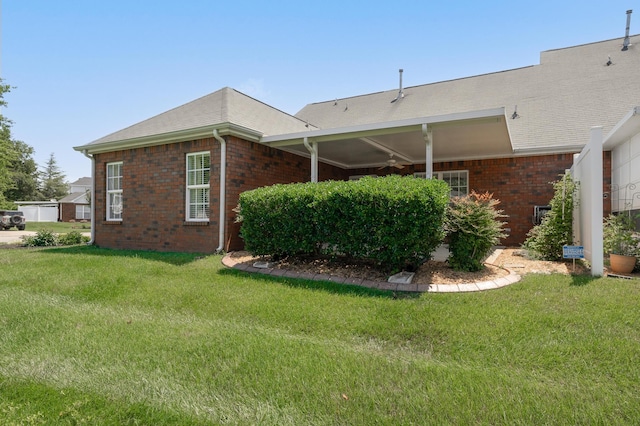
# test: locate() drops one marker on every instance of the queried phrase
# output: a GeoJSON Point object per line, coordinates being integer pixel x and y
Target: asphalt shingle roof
{"type": "Point", "coordinates": [226, 105]}
{"type": "Point", "coordinates": [558, 101]}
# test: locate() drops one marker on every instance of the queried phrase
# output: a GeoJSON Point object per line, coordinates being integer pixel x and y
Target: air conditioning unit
{"type": "Point", "coordinates": [539, 212]}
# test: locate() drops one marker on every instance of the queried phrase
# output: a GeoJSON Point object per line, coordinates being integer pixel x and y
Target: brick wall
{"type": "Point", "coordinates": [154, 184]}
{"type": "Point", "coordinates": [252, 165]}
{"type": "Point", "coordinates": [520, 183]}
{"type": "Point", "coordinates": [154, 190]}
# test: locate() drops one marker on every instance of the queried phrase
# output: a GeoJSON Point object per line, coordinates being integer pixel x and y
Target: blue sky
{"type": "Point", "coordinates": [82, 69]}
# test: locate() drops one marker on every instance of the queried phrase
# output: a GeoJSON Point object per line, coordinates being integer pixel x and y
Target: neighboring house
{"type": "Point", "coordinates": [76, 206]}
{"type": "Point", "coordinates": [171, 182]}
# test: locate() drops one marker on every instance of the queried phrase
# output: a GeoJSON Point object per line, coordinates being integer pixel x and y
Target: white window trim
{"type": "Point", "coordinates": [85, 212]}
{"type": "Point", "coordinates": [440, 175]}
{"type": "Point", "coordinates": [115, 192]}
{"type": "Point", "coordinates": [190, 187]}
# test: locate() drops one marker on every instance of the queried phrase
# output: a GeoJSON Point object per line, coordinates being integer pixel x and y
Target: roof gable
{"type": "Point", "coordinates": [223, 107]}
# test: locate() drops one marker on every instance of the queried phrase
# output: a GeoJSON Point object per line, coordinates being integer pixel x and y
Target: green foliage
{"type": "Point", "coordinates": [546, 240]}
{"type": "Point", "coordinates": [18, 170]}
{"type": "Point", "coordinates": [7, 153]}
{"type": "Point", "coordinates": [43, 238]}
{"type": "Point", "coordinates": [48, 238]}
{"type": "Point", "coordinates": [114, 337]}
{"type": "Point", "coordinates": [24, 174]}
{"type": "Point", "coordinates": [53, 185]}
{"type": "Point", "coordinates": [394, 221]}
{"type": "Point", "coordinates": [619, 235]}
{"type": "Point", "coordinates": [71, 238]}
{"type": "Point", "coordinates": [473, 226]}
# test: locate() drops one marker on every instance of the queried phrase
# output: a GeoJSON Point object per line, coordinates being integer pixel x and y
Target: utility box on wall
{"type": "Point", "coordinates": [539, 212]}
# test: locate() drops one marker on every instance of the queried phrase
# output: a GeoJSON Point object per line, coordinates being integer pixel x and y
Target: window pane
{"type": "Point", "coordinates": [198, 173]}
{"type": "Point", "coordinates": [458, 182]}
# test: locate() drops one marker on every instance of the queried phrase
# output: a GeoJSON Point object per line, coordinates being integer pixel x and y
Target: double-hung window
{"type": "Point", "coordinates": [114, 191]}
{"type": "Point", "coordinates": [83, 212]}
{"type": "Point", "coordinates": [458, 181]}
{"type": "Point", "coordinates": [198, 171]}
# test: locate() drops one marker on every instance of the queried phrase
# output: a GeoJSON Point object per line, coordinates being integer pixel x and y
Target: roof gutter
{"type": "Point", "coordinates": [93, 191]}
{"type": "Point", "coordinates": [223, 186]}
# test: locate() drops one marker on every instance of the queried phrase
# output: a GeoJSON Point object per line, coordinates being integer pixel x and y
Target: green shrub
{"type": "Point", "coordinates": [43, 238]}
{"type": "Point", "coordinates": [394, 221]}
{"type": "Point", "coordinates": [545, 241]}
{"type": "Point", "coordinates": [71, 238]}
{"type": "Point", "coordinates": [619, 235]}
{"type": "Point", "coordinates": [473, 226]}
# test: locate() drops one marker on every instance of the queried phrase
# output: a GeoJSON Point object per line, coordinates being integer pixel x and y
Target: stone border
{"type": "Point", "coordinates": [383, 285]}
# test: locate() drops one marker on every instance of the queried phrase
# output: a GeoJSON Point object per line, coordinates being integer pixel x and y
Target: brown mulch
{"type": "Point", "coordinates": [431, 272]}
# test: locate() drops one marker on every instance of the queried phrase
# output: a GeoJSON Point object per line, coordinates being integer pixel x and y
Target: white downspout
{"type": "Point", "coordinates": [93, 199]}
{"type": "Point", "coordinates": [428, 139]}
{"type": "Point", "coordinates": [313, 150]}
{"type": "Point", "coordinates": [223, 187]}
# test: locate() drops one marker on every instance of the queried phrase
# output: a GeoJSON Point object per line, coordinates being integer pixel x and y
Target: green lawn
{"type": "Point", "coordinates": [92, 336]}
{"type": "Point", "coordinates": [59, 227]}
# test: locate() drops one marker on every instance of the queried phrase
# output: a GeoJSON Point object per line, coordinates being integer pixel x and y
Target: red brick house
{"type": "Point", "coordinates": [171, 182]}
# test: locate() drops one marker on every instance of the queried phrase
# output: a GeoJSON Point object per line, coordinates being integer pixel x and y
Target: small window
{"type": "Point", "coordinates": [83, 212]}
{"type": "Point", "coordinates": [198, 172]}
{"type": "Point", "coordinates": [114, 191]}
{"type": "Point", "coordinates": [457, 180]}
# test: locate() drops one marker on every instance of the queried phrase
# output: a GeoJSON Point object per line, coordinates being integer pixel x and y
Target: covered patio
{"type": "Point", "coordinates": [471, 135]}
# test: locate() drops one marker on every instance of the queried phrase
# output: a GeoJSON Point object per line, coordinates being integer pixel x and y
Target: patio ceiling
{"type": "Point", "coordinates": [461, 136]}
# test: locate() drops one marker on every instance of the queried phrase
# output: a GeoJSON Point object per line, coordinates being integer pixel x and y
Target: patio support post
{"type": "Point", "coordinates": [428, 139]}
{"type": "Point", "coordinates": [313, 150]}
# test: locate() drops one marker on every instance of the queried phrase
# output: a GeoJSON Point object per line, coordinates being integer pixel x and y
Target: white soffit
{"type": "Point", "coordinates": [475, 134]}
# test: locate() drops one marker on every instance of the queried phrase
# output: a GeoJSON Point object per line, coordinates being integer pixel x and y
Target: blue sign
{"type": "Point", "coordinates": [573, 252]}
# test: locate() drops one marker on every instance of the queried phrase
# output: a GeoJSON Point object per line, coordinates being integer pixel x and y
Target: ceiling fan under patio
{"type": "Point", "coordinates": [391, 162]}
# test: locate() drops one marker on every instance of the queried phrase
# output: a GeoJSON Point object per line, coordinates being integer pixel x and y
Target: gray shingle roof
{"type": "Point", "coordinates": [75, 197]}
{"type": "Point", "coordinates": [226, 105]}
{"type": "Point", "coordinates": [83, 181]}
{"type": "Point", "coordinates": [558, 101]}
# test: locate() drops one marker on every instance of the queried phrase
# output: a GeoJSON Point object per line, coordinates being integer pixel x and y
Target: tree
{"type": "Point", "coordinates": [24, 174]}
{"type": "Point", "coordinates": [7, 153]}
{"type": "Point", "coordinates": [52, 181]}
{"type": "Point", "coordinates": [18, 170]}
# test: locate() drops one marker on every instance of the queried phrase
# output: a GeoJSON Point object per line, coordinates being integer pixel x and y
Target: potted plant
{"type": "Point", "coordinates": [621, 242]}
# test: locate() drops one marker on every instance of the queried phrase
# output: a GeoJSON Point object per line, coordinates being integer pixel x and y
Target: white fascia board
{"type": "Point", "coordinates": [398, 126]}
{"type": "Point", "coordinates": [549, 150]}
{"type": "Point", "coordinates": [624, 130]}
{"type": "Point", "coordinates": [172, 137]}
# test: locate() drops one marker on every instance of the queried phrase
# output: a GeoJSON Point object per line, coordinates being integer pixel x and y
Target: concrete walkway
{"type": "Point", "coordinates": [13, 235]}
{"type": "Point", "coordinates": [440, 255]}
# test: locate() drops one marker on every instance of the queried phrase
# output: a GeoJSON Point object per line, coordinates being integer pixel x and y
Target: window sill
{"type": "Point", "coordinates": [196, 223]}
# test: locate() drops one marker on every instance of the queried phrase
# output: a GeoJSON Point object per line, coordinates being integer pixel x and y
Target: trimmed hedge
{"type": "Point", "coordinates": [395, 221]}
